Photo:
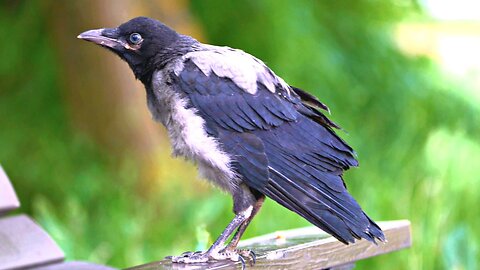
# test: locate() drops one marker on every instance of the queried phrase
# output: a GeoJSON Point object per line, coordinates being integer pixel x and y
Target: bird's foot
{"type": "Point", "coordinates": [245, 254]}
{"type": "Point", "coordinates": [212, 255]}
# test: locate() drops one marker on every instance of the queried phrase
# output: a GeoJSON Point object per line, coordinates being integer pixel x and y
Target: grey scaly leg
{"type": "Point", "coordinates": [241, 229]}
{"type": "Point", "coordinates": [217, 250]}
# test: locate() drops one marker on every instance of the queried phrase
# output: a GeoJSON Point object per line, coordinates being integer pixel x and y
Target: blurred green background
{"type": "Point", "coordinates": [92, 168]}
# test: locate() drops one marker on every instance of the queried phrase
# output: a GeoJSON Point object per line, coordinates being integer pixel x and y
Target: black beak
{"type": "Point", "coordinates": [103, 37]}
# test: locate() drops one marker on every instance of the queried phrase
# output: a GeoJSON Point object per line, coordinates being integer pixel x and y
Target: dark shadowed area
{"type": "Point", "coordinates": [95, 171]}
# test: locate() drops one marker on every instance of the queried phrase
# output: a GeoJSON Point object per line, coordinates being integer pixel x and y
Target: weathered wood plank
{"type": "Point", "coordinates": [24, 244]}
{"type": "Point", "coordinates": [8, 197]}
{"type": "Point", "coordinates": [305, 248]}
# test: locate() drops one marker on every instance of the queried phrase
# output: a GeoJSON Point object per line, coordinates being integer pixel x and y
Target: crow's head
{"type": "Point", "coordinates": [139, 41]}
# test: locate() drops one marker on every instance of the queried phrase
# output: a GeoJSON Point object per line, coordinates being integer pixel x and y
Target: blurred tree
{"type": "Point", "coordinates": [112, 111]}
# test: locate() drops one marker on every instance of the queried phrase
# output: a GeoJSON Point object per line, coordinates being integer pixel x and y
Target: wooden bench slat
{"type": "Point", "coordinates": [8, 197]}
{"type": "Point", "coordinates": [23, 243]}
{"type": "Point", "coordinates": [306, 248]}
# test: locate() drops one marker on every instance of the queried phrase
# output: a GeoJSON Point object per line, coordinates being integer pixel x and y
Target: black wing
{"type": "Point", "coordinates": [283, 148]}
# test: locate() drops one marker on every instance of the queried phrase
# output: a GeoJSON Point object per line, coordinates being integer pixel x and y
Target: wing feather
{"type": "Point", "coordinates": [281, 145]}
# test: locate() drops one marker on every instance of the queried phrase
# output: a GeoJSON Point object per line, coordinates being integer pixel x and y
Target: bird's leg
{"type": "Point", "coordinates": [217, 250]}
{"type": "Point", "coordinates": [238, 234]}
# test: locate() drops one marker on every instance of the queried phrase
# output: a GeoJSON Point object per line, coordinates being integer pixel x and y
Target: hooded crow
{"type": "Point", "coordinates": [249, 132]}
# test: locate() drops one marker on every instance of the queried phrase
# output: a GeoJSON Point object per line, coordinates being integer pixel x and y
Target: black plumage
{"type": "Point", "coordinates": [274, 138]}
{"type": "Point", "coordinates": [286, 154]}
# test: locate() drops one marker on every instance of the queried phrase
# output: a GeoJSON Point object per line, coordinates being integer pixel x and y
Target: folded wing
{"type": "Point", "coordinates": [281, 145]}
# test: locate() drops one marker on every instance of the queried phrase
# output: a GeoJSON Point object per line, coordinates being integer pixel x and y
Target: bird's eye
{"type": "Point", "coordinates": [135, 38]}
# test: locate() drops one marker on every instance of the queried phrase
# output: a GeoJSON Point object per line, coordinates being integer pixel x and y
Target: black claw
{"type": "Point", "coordinates": [242, 260]}
{"type": "Point", "coordinates": [253, 256]}
{"type": "Point", "coordinates": [249, 254]}
{"type": "Point", "coordinates": [189, 253]}
{"type": "Point", "coordinates": [186, 254]}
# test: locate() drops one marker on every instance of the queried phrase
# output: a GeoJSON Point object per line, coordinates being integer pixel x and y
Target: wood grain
{"type": "Point", "coordinates": [305, 248]}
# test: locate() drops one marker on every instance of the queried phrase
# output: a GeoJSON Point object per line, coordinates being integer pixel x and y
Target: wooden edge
{"type": "Point", "coordinates": [8, 198]}
{"type": "Point", "coordinates": [24, 244]}
{"type": "Point", "coordinates": [279, 237]}
{"type": "Point", "coordinates": [328, 252]}
{"type": "Point", "coordinates": [306, 248]}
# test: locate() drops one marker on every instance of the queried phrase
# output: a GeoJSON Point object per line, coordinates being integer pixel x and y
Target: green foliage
{"type": "Point", "coordinates": [416, 137]}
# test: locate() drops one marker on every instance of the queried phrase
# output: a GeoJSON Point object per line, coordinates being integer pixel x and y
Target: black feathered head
{"type": "Point", "coordinates": [137, 41]}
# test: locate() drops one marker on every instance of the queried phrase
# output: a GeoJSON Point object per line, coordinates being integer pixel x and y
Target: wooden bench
{"type": "Point", "coordinates": [307, 248]}
{"type": "Point", "coordinates": [24, 244]}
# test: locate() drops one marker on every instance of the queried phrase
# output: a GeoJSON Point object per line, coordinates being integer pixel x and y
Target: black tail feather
{"type": "Point", "coordinates": [345, 221]}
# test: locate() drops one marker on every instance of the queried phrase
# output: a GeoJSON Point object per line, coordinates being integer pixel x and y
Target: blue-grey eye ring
{"type": "Point", "coordinates": [135, 38]}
